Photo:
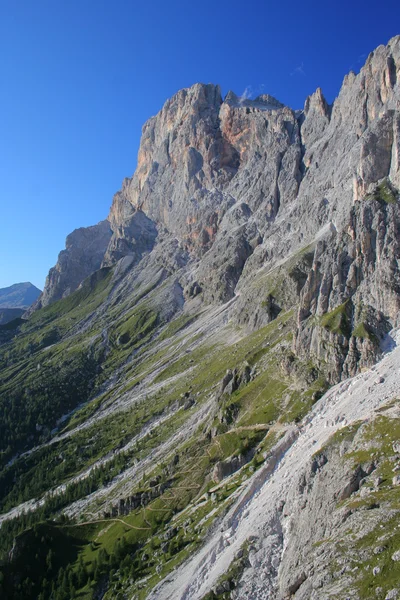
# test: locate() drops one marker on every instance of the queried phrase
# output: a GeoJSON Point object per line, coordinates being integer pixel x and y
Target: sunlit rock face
{"type": "Point", "coordinates": [199, 156]}
{"type": "Point", "coordinates": [239, 185]}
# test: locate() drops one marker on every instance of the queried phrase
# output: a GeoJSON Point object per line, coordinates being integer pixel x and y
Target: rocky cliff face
{"type": "Point", "coordinates": [84, 253]}
{"type": "Point", "coordinates": [244, 184]}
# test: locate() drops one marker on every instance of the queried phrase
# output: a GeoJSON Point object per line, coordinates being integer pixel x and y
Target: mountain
{"type": "Point", "coordinates": [19, 295]}
{"type": "Point", "coordinates": [9, 314]}
{"type": "Point", "coordinates": [203, 402]}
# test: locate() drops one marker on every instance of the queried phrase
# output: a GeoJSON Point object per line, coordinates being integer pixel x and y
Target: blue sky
{"type": "Point", "coordinates": [79, 78]}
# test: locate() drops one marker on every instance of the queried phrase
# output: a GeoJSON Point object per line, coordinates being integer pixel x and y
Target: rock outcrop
{"type": "Point", "coordinates": [84, 253]}
{"type": "Point", "coordinates": [244, 185]}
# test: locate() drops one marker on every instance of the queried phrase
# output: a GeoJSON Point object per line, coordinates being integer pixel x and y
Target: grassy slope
{"type": "Point", "coordinates": [373, 544]}
{"type": "Point", "coordinates": [180, 360]}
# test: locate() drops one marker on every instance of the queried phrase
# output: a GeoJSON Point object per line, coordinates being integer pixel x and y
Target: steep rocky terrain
{"type": "Point", "coordinates": [168, 422]}
{"type": "Point", "coordinates": [83, 255]}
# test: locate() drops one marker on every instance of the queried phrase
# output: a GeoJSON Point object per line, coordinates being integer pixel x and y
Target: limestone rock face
{"type": "Point", "coordinates": [245, 186]}
{"type": "Point", "coordinates": [84, 252]}
{"type": "Point", "coordinates": [191, 151]}
{"type": "Point", "coordinates": [316, 118]}
{"type": "Point", "coordinates": [134, 235]}
{"type": "Point", "coordinates": [213, 173]}
{"type": "Point", "coordinates": [347, 213]}
{"type": "Point", "coordinates": [182, 157]}
{"type": "Point", "coordinates": [352, 290]}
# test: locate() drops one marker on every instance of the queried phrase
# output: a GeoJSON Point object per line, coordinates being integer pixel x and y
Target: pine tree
{"type": "Point", "coordinates": [49, 560]}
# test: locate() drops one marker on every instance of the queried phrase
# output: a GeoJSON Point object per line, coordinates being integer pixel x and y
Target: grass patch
{"type": "Point", "coordinates": [337, 321]}
{"type": "Point", "coordinates": [389, 576]}
{"type": "Point", "coordinates": [362, 331]}
{"type": "Point", "coordinates": [176, 325]}
{"type": "Point", "coordinates": [384, 192]}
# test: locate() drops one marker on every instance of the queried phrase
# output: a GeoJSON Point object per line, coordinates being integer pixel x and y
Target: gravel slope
{"type": "Point", "coordinates": [256, 512]}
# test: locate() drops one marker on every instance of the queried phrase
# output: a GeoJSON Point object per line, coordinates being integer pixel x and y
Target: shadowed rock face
{"type": "Point", "coordinates": [19, 295]}
{"type": "Point", "coordinates": [84, 252]}
{"type": "Point", "coordinates": [354, 273]}
{"type": "Point", "coordinates": [243, 184]}
{"type": "Point", "coordinates": [133, 237]}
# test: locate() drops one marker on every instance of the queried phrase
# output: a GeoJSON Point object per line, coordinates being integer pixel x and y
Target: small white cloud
{"type": "Point", "coordinates": [246, 95]}
{"type": "Point", "coordinates": [360, 61]}
{"type": "Point", "coordinates": [251, 91]}
{"type": "Point", "coordinates": [298, 70]}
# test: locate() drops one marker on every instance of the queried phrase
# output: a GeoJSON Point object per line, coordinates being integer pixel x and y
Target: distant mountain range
{"type": "Point", "coordinates": [19, 295]}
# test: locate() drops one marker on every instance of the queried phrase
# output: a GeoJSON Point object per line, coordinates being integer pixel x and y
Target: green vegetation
{"type": "Point", "coordinates": [63, 560]}
{"type": "Point", "coordinates": [259, 401]}
{"type": "Point", "coordinates": [369, 547]}
{"type": "Point", "coordinates": [361, 330]}
{"type": "Point", "coordinates": [384, 535]}
{"type": "Point", "coordinates": [337, 321]}
{"type": "Point", "coordinates": [389, 570]}
{"type": "Point", "coordinates": [176, 326]}
{"type": "Point", "coordinates": [32, 402]}
{"type": "Point", "coordinates": [12, 325]}
{"type": "Point", "coordinates": [42, 380]}
{"type": "Point", "coordinates": [378, 437]}
{"type": "Point", "coordinates": [301, 403]}
{"type": "Point", "coordinates": [384, 192]}
{"type": "Point", "coordinates": [52, 465]}
{"type": "Point", "coordinates": [135, 327]}
{"type": "Point", "coordinates": [235, 442]}
{"type": "Point", "coordinates": [76, 306]}
{"type": "Point", "coordinates": [72, 351]}
{"type": "Point", "coordinates": [344, 434]}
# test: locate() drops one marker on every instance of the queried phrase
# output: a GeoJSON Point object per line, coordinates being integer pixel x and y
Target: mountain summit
{"type": "Point", "coordinates": [19, 295]}
{"type": "Point", "coordinates": [204, 401]}
{"type": "Point", "coordinates": [226, 189]}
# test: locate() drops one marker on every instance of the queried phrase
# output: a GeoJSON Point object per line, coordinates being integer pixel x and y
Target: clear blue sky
{"type": "Point", "coordinates": [79, 78]}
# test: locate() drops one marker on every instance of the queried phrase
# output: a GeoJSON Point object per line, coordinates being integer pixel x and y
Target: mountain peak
{"type": "Point", "coordinates": [19, 295]}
